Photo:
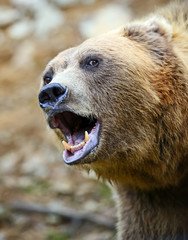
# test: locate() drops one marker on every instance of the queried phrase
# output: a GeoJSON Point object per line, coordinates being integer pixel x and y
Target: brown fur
{"type": "Point", "coordinates": [140, 94]}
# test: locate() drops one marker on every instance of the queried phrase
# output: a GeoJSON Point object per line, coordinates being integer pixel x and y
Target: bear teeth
{"type": "Point", "coordinates": [70, 147]}
{"type": "Point", "coordinates": [67, 146]}
{"type": "Point", "coordinates": [86, 136]}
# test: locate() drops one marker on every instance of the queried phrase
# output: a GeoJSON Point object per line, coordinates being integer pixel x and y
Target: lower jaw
{"type": "Point", "coordinates": [79, 156]}
{"type": "Point", "coordinates": [69, 160]}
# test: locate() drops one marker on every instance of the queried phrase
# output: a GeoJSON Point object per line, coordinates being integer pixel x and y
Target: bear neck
{"type": "Point", "coordinates": [152, 215]}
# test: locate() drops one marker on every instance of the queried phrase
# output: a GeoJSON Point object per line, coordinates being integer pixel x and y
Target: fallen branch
{"type": "Point", "coordinates": [62, 212]}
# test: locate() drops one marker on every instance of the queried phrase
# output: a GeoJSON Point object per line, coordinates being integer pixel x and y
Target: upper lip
{"type": "Point", "coordinates": [51, 112]}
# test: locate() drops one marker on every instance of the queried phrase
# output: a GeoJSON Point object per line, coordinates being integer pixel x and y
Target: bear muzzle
{"type": "Point", "coordinates": [81, 132]}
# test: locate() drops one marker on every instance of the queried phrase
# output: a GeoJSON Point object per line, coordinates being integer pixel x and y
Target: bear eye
{"type": "Point", "coordinates": [93, 63]}
{"type": "Point", "coordinates": [90, 62]}
{"type": "Point", "coordinates": [48, 77]}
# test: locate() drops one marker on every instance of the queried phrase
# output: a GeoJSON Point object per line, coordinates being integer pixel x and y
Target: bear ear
{"type": "Point", "coordinates": [159, 25]}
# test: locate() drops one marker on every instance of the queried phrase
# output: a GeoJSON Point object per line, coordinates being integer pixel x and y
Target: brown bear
{"type": "Point", "coordinates": [119, 103]}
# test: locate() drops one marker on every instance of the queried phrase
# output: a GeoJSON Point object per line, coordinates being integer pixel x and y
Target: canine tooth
{"type": "Point", "coordinates": [86, 136]}
{"type": "Point", "coordinates": [67, 146]}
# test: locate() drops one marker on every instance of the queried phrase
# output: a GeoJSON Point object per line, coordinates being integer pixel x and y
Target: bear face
{"type": "Point", "coordinates": [114, 100]}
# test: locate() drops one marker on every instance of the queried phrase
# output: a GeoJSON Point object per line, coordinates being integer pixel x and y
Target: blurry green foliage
{"type": "Point", "coordinates": [38, 187]}
{"type": "Point", "coordinates": [57, 236]}
{"type": "Point", "coordinates": [104, 191]}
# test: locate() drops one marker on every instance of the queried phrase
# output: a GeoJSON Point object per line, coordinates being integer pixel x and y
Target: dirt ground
{"type": "Point", "coordinates": [31, 167]}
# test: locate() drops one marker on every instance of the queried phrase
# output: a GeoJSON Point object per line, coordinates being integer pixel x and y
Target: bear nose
{"type": "Point", "coordinates": [52, 94]}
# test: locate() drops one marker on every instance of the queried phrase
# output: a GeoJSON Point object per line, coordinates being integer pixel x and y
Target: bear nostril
{"type": "Point", "coordinates": [57, 92]}
{"type": "Point", "coordinates": [44, 97]}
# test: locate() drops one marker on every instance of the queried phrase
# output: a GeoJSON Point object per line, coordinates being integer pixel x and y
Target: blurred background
{"type": "Point", "coordinates": [37, 191]}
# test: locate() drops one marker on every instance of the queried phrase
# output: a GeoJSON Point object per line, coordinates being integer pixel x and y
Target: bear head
{"type": "Point", "coordinates": [117, 101]}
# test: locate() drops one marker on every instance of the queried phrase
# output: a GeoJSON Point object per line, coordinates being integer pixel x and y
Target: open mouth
{"type": "Point", "coordinates": [82, 134]}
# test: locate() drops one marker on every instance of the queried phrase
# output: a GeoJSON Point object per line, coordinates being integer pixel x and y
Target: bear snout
{"type": "Point", "coordinates": [52, 94]}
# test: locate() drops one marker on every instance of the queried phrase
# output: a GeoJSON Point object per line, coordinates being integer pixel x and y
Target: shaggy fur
{"type": "Point", "coordinates": [139, 92]}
